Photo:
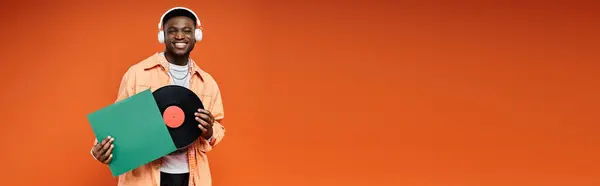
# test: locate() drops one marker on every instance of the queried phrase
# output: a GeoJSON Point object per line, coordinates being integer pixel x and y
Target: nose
{"type": "Point", "coordinates": [179, 35]}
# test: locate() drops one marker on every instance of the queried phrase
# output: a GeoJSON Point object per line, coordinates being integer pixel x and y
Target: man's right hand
{"type": "Point", "coordinates": [103, 151]}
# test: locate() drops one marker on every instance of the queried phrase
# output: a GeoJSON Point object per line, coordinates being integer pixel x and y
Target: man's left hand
{"type": "Point", "coordinates": [206, 121]}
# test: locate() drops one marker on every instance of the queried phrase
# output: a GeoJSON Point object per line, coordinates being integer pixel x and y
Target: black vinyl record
{"type": "Point", "coordinates": [177, 105]}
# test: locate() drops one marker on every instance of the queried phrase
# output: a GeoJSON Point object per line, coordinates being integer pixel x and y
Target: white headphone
{"type": "Point", "coordinates": [161, 32]}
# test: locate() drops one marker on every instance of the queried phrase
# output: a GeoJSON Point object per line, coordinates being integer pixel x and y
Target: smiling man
{"type": "Point", "coordinates": [179, 30]}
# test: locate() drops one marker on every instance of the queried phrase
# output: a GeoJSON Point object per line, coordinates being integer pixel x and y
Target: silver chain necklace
{"type": "Point", "coordinates": [186, 74]}
{"type": "Point", "coordinates": [180, 79]}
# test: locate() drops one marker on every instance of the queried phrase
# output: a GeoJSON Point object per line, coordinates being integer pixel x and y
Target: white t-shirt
{"type": "Point", "coordinates": [177, 163]}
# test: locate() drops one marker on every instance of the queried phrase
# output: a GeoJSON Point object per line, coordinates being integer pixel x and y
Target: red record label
{"type": "Point", "coordinates": [173, 116]}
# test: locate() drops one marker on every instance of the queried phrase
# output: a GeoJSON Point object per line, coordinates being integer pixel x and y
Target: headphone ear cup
{"type": "Point", "coordinates": [198, 35]}
{"type": "Point", "coordinates": [161, 37]}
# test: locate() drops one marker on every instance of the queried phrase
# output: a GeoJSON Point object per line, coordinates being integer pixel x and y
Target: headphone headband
{"type": "Point", "coordinates": [198, 25]}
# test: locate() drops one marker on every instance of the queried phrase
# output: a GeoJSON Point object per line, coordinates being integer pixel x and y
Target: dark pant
{"type": "Point", "coordinates": [167, 179]}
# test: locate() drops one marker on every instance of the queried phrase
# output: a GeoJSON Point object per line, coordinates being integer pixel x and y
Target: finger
{"type": "Point", "coordinates": [102, 158]}
{"type": "Point", "coordinates": [202, 122]}
{"type": "Point", "coordinates": [109, 151]}
{"type": "Point", "coordinates": [202, 125]}
{"type": "Point", "coordinates": [204, 116]}
{"type": "Point", "coordinates": [107, 145]}
{"type": "Point", "coordinates": [108, 159]}
{"type": "Point", "coordinates": [105, 152]}
{"type": "Point", "coordinates": [202, 128]}
{"type": "Point", "coordinates": [98, 149]}
{"type": "Point", "coordinates": [212, 118]}
{"type": "Point", "coordinates": [204, 111]}
{"type": "Point", "coordinates": [98, 146]}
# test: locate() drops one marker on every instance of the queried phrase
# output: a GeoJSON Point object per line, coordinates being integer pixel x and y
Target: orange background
{"type": "Point", "coordinates": [324, 92]}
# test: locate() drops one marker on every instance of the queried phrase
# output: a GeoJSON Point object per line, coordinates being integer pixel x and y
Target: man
{"type": "Point", "coordinates": [181, 30]}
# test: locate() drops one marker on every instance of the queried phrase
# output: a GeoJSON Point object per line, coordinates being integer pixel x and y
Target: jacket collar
{"type": "Point", "coordinates": [159, 60]}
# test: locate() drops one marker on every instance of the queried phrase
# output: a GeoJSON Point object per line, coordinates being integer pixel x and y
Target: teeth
{"type": "Point", "coordinates": [180, 45]}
